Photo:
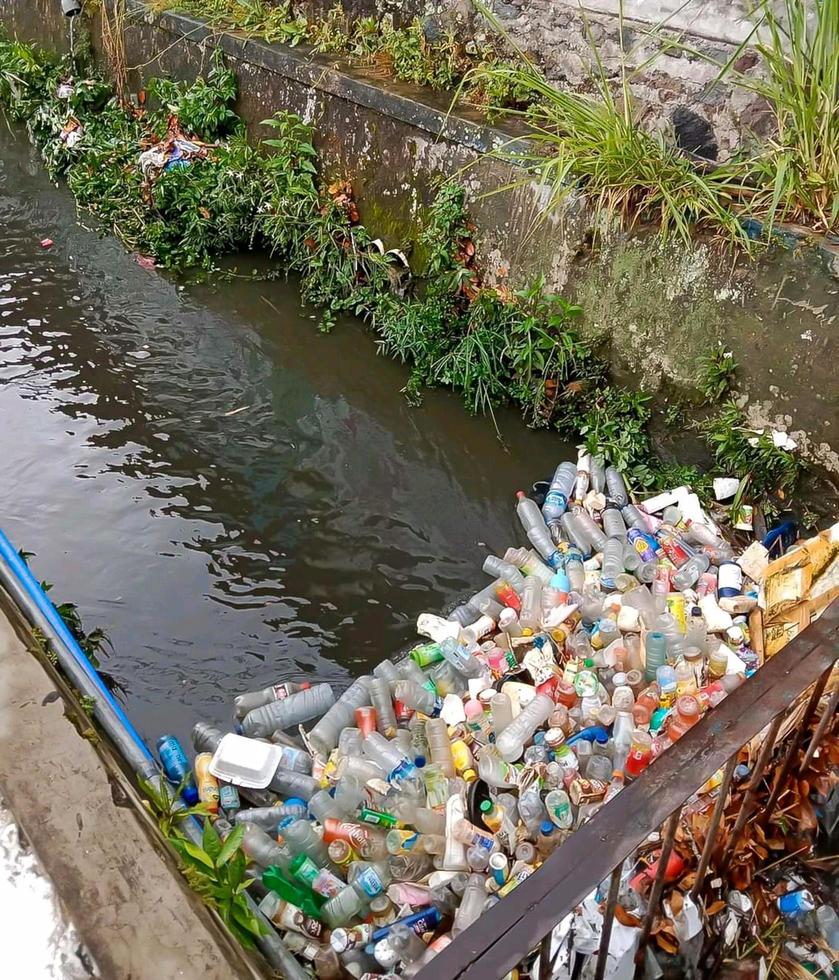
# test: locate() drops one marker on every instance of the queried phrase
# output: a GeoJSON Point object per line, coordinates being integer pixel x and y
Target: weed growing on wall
{"type": "Point", "coordinates": [207, 192]}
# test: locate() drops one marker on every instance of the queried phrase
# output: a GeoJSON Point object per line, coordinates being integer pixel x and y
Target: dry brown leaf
{"type": "Point", "coordinates": [677, 901]}
{"type": "Point", "coordinates": [667, 944]}
{"type": "Point", "coordinates": [716, 907]}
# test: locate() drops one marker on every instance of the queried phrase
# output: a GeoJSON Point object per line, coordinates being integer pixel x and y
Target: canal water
{"type": "Point", "coordinates": [236, 498]}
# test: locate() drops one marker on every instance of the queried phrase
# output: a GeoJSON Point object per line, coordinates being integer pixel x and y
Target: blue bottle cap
{"type": "Point", "coordinates": [547, 827]}
{"type": "Point", "coordinates": [419, 761]}
{"type": "Point", "coordinates": [285, 822]}
{"type": "Point", "coordinates": [296, 801]}
{"type": "Point", "coordinates": [237, 728]}
{"type": "Point", "coordinates": [601, 736]}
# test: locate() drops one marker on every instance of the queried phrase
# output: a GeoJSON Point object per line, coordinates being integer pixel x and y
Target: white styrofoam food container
{"type": "Point", "coordinates": [245, 761]}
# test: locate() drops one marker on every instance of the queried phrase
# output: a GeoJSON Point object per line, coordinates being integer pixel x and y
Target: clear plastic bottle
{"type": "Point", "coordinates": [612, 562]}
{"type": "Point", "coordinates": [575, 531]}
{"type": "Point", "coordinates": [573, 562]}
{"type": "Point", "coordinates": [828, 923]}
{"type": "Point", "coordinates": [343, 909]}
{"type": "Point", "coordinates": [499, 568]}
{"type": "Point", "coordinates": [388, 756]}
{"type": "Point", "coordinates": [263, 850]}
{"type": "Point", "coordinates": [655, 648]}
{"type": "Point", "coordinates": [286, 782]}
{"type": "Point", "coordinates": [595, 536]}
{"type": "Point", "coordinates": [302, 838]}
{"type": "Point", "coordinates": [530, 617]}
{"type": "Point", "coordinates": [501, 710]}
{"type": "Point", "coordinates": [616, 487]}
{"type": "Point", "coordinates": [494, 770]}
{"type": "Point", "coordinates": [547, 840]}
{"type": "Point", "coordinates": [613, 524]}
{"type": "Point", "coordinates": [532, 810]}
{"type": "Point", "coordinates": [471, 904]}
{"type": "Point", "coordinates": [380, 695]}
{"type": "Point", "coordinates": [417, 698]}
{"type": "Point", "coordinates": [598, 474]}
{"type": "Point", "coordinates": [439, 745]}
{"type": "Point", "coordinates": [558, 495]}
{"type": "Point", "coordinates": [558, 806]}
{"type": "Point", "coordinates": [243, 703]}
{"type": "Point", "coordinates": [268, 818]}
{"type": "Point", "coordinates": [461, 659]}
{"type": "Point", "coordinates": [512, 740]}
{"type": "Point", "coordinates": [324, 736]}
{"type": "Point", "coordinates": [323, 805]}
{"type": "Point", "coordinates": [406, 944]}
{"type": "Point", "coordinates": [688, 574]}
{"type": "Point", "coordinates": [362, 769]}
{"type": "Point", "coordinates": [293, 710]}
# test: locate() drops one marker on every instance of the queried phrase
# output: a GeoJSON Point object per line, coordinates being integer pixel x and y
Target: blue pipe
{"type": "Point", "coordinates": [29, 585]}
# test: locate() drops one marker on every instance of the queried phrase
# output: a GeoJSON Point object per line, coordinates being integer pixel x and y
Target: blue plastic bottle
{"type": "Point", "coordinates": [176, 767]}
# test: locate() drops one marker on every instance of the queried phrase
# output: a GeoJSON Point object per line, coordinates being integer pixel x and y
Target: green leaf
{"type": "Point", "coordinates": [211, 842]}
{"type": "Point", "coordinates": [197, 854]}
{"type": "Point", "coordinates": [231, 846]}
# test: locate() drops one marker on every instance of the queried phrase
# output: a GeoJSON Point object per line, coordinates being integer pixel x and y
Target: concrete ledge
{"type": "Point", "coordinates": [80, 814]}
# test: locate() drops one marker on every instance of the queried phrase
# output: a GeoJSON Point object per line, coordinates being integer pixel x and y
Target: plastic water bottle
{"type": "Point", "coordinates": [243, 703]}
{"type": "Point", "coordinates": [302, 838]}
{"type": "Point", "coordinates": [689, 573]}
{"type": "Point", "coordinates": [612, 562]}
{"type": "Point", "coordinates": [510, 743]}
{"type": "Point", "coordinates": [497, 568]}
{"type": "Point", "coordinates": [501, 712]}
{"type": "Point", "coordinates": [262, 850]}
{"type": "Point", "coordinates": [461, 659]}
{"type": "Point", "coordinates": [535, 527]}
{"type": "Point", "coordinates": [530, 617]}
{"type": "Point", "coordinates": [494, 770]}
{"type": "Point", "coordinates": [206, 738]}
{"type": "Point", "coordinates": [268, 818]}
{"type": "Point", "coordinates": [616, 487]}
{"type": "Point", "coordinates": [573, 562]}
{"type": "Point", "coordinates": [418, 698]}
{"type": "Point", "coordinates": [575, 531]}
{"type": "Point", "coordinates": [558, 495]}
{"type": "Point", "coordinates": [583, 480]}
{"type": "Point", "coordinates": [388, 756]}
{"type": "Point", "coordinates": [380, 695]}
{"type": "Point", "coordinates": [529, 561]}
{"type": "Point", "coordinates": [287, 782]}
{"type": "Point", "coordinates": [293, 710]}
{"type": "Point", "coordinates": [656, 653]}
{"type": "Point", "coordinates": [324, 736]}
{"type": "Point", "coordinates": [471, 904]}
{"type": "Point", "coordinates": [594, 534]}
{"type": "Point", "coordinates": [176, 767]}
{"type": "Point", "coordinates": [558, 805]}
{"type": "Point", "coordinates": [532, 810]}
{"type": "Point", "coordinates": [613, 524]}
{"type": "Point", "coordinates": [387, 670]}
{"type": "Point", "coordinates": [439, 745]}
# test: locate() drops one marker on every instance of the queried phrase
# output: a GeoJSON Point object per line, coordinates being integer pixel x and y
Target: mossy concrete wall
{"type": "Point", "coordinates": [658, 310]}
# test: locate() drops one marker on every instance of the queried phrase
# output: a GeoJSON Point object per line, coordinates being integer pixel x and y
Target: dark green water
{"type": "Point", "coordinates": [296, 539]}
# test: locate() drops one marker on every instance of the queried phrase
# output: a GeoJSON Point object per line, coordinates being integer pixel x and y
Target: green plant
{"type": "Point", "coordinates": [750, 455]}
{"type": "Point", "coordinates": [793, 175]}
{"type": "Point", "coordinates": [718, 370]}
{"type": "Point", "coordinates": [217, 872]}
{"type": "Point", "coordinates": [165, 804]}
{"type": "Point", "coordinates": [596, 144]}
{"type": "Point", "coordinates": [88, 704]}
{"type": "Point", "coordinates": [614, 425]}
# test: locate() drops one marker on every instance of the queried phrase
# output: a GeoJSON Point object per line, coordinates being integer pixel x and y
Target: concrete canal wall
{"type": "Point", "coordinates": [655, 308]}
{"type": "Point", "coordinates": [82, 817]}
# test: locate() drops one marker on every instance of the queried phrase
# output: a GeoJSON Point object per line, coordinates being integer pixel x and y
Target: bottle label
{"type": "Point", "coordinates": [644, 544]}
{"type": "Point", "coordinates": [377, 817]}
{"type": "Point", "coordinates": [369, 882]}
{"type": "Point", "coordinates": [729, 580]}
{"type": "Point", "coordinates": [675, 550]}
{"type": "Point", "coordinates": [555, 502]}
{"type": "Point", "coordinates": [280, 691]}
{"type": "Point", "coordinates": [404, 770]}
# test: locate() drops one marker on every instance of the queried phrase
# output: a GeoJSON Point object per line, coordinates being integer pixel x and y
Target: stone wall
{"type": "Point", "coordinates": [673, 86]}
{"type": "Point", "coordinates": [657, 310]}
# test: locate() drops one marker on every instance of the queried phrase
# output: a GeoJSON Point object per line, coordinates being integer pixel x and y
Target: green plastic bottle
{"type": "Point", "coordinates": [304, 898]}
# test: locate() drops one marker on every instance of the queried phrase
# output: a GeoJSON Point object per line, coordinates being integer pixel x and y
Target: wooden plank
{"type": "Point", "coordinates": [501, 936]}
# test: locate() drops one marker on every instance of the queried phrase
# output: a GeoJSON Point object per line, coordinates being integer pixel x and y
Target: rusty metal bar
{"type": "Point", "coordinates": [714, 825]}
{"type": "Point", "coordinates": [794, 745]}
{"type": "Point", "coordinates": [608, 919]}
{"type": "Point", "coordinates": [818, 734]}
{"type": "Point", "coordinates": [657, 889]}
{"type": "Point", "coordinates": [747, 805]}
{"type": "Point", "coordinates": [507, 931]}
{"type": "Point", "coordinates": [545, 955]}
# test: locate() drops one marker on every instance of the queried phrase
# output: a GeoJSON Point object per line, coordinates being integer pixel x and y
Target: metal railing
{"type": "Point", "coordinates": [514, 928]}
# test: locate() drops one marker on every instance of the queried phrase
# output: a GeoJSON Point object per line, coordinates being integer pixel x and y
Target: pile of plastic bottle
{"type": "Point", "coordinates": [383, 823]}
